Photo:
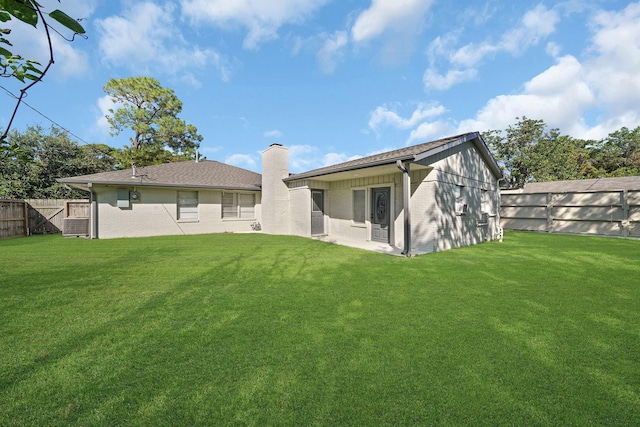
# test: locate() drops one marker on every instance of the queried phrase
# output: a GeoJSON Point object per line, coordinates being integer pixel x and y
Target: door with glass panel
{"type": "Point", "coordinates": [317, 212]}
{"type": "Point", "coordinates": [380, 212]}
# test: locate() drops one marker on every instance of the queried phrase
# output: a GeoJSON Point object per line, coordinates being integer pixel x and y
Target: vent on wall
{"type": "Point", "coordinates": [75, 227]}
{"type": "Point", "coordinates": [461, 208]}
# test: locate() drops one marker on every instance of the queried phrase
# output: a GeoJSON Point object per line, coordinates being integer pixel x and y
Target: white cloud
{"type": "Point", "coordinates": [397, 23]}
{"type": "Point", "coordinates": [613, 70]}
{"type": "Point", "coordinates": [428, 131]}
{"type": "Point", "coordinates": [607, 83]}
{"type": "Point", "coordinates": [262, 18]}
{"type": "Point", "coordinates": [383, 116]}
{"type": "Point", "coordinates": [535, 25]}
{"type": "Point", "coordinates": [559, 96]}
{"type": "Point", "coordinates": [383, 15]}
{"type": "Point", "coordinates": [303, 158]}
{"type": "Point", "coordinates": [241, 160]}
{"type": "Point", "coordinates": [104, 103]}
{"type": "Point", "coordinates": [331, 159]}
{"type": "Point", "coordinates": [275, 133]}
{"type": "Point", "coordinates": [433, 80]}
{"type": "Point", "coordinates": [31, 43]}
{"type": "Point", "coordinates": [145, 38]}
{"type": "Point", "coordinates": [332, 51]}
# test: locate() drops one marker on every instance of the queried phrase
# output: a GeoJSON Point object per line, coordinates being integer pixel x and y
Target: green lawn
{"type": "Point", "coordinates": [260, 330]}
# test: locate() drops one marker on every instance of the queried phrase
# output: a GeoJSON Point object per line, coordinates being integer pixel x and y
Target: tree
{"type": "Point", "coordinates": [528, 152]}
{"type": "Point", "coordinates": [50, 156]}
{"type": "Point", "coordinates": [618, 154]}
{"type": "Point", "coordinates": [27, 71]}
{"type": "Point", "coordinates": [151, 111]}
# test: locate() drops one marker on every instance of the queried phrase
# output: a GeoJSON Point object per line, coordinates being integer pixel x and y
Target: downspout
{"type": "Point", "coordinates": [93, 212]}
{"type": "Point", "coordinates": [406, 197]}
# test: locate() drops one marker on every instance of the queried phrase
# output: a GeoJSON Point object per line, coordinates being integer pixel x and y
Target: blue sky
{"type": "Point", "coordinates": [336, 80]}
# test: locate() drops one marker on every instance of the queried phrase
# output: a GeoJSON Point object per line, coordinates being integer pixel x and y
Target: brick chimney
{"type": "Point", "coordinates": [275, 193]}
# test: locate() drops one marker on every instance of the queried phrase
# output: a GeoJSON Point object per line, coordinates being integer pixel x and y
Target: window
{"type": "Point", "coordinates": [458, 190]}
{"type": "Point", "coordinates": [238, 205]}
{"type": "Point", "coordinates": [460, 205]}
{"type": "Point", "coordinates": [188, 205]}
{"type": "Point", "coordinates": [484, 202]}
{"type": "Point", "coordinates": [359, 206]}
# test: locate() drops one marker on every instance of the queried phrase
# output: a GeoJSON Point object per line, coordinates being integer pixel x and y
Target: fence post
{"type": "Point", "coordinates": [624, 202]}
{"type": "Point", "coordinates": [25, 210]}
{"type": "Point", "coordinates": [549, 211]}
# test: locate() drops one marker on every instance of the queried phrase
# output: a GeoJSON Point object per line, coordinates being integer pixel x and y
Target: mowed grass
{"type": "Point", "coordinates": [260, 330]}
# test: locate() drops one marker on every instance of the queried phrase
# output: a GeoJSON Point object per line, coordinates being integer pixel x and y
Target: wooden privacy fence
{"type": "Point", "coordinates": [610, 213]}
{"type": "Point", "coordinates": [13, 218]}
{"type": "Point", "coordinates": [42, 216]}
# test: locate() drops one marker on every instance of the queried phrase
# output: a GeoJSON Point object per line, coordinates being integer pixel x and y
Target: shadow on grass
{"type": "Point", "coordinates": [268, 330]}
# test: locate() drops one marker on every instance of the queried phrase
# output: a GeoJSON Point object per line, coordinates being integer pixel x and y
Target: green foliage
{"type": "Point", "coordinates": [618, 154]}
{"type": "Point", "coordinates": [258, 330]}
{"type": "Point", "coordinates": [46, 157]}
{"type": "Point", "coordinates": [529, 152]}
{"type": "Point", "coordinates": [151, 112]}
{"type": "Point", "coordinates": [13, 65]}
{"type": "Point", "coordinates": [27, 11]}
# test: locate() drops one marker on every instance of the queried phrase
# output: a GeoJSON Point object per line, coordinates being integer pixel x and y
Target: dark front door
{"type": "Point", "coordinates": [317, 212]}
{"type": "Point", "coordinates": [380, 206]}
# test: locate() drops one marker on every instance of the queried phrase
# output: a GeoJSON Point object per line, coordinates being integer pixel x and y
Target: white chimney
{"type": "Point", "coordinates": [275, 193]}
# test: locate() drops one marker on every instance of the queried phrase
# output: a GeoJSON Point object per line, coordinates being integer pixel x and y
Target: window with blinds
{"type": "Point", "coordinates": [359, 206]}
{"type": "Point", "coordinates": [238, 205]}
{"type": "Point", "coordinates": [188, 205]}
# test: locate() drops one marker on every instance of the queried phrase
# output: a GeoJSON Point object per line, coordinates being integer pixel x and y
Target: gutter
{"type": "Point", "coordinates": [93, 212]}
{"type": "Point", "coordinates": [406, 197]}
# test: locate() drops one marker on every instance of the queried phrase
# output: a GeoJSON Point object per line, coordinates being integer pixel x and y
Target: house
{"type": "Point", "coordinates": [173, 198]}
{"type": "Point", "coordinates": [424, 198]}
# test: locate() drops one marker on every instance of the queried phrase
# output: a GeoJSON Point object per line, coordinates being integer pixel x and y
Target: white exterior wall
{"type": "Point", "coordinates": [276, 217]}
{"type": "Point", "coordinates": [156, 214]}
{"type": "Point", "coordinates": [341, 216]}
{"type": "Point", "coordinates": [435, 225]}
{"type": "Point", "coordinates": [300, 211]}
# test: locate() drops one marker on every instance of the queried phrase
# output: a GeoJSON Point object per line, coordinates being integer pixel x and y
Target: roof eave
{"type": "Point", "coordinates": [390, 161]}
{"type": "Point", "coordinates": [77, 184]}
{"type": "Point", "coordinates": [477, 140]}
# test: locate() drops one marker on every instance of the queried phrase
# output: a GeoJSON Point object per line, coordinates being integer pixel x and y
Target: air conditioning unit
{"type": "Point", "coordinates": [461, 208]}
{"type": "Point", "coordinates": [75, 227]}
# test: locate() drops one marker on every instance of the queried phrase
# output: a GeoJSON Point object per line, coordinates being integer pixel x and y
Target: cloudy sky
{"type": "Point", "coordinates": [338, 79]}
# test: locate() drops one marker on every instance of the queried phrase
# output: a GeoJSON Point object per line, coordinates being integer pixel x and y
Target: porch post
{"type": "Point", "coordinates": [406, 197]}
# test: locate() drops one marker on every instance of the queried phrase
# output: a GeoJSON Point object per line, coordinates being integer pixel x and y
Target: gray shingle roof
{"type": "Point", "coordinates": [412, 153]}
{"type": "Point", "coordinates": [598, 184]}
{"type": "Point", "coordinates": [188, 174]}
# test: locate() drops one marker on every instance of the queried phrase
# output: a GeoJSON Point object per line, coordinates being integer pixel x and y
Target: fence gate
{"type": "Point", "coordinates": [76, 218]}
{"type": "Point", "coordinates": [13, 218]}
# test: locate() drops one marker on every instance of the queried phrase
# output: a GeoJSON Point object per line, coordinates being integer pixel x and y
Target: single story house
{"type": "Point", "coordinates": [424, 198]}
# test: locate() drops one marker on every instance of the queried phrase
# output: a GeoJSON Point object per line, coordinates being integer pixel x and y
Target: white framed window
{"type": "Point", "coordinates": [359, 205]}
{"type": "Point", "coordinates": [239, 205]}
{"type": "Point", "coordinates": [188, 205]}
{"type": "Point", "coordinates": [460, 204]}
{"type": "Point", "coordinates": [485, 206]}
